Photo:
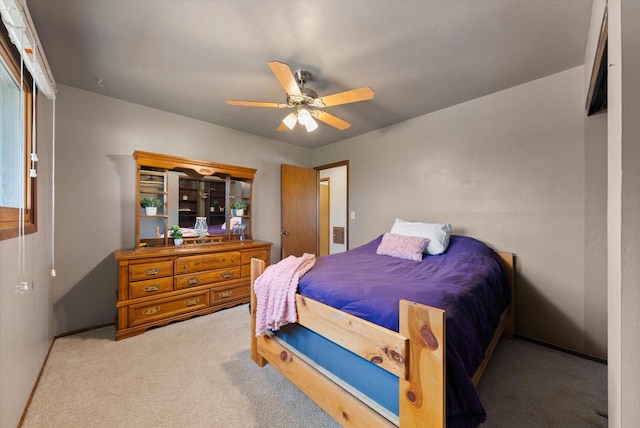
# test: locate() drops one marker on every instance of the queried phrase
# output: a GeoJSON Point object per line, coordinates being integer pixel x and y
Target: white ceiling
{"type": "Point", "coordinates": [187, 57]}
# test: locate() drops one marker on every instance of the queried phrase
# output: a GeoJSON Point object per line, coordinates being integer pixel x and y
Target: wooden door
{"type": "Point", "coordinates": [299, 211]}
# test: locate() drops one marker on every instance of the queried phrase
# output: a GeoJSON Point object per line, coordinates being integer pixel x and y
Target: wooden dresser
{"type": "Point", "coordinates": [159, 285]}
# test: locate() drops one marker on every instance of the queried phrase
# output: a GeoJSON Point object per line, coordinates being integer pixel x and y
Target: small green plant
{"type": "Point", "coordinates": [175, 232]}
{"type": "Point", "coordinates": [215, 203]}
{"type": "Point", "coordinates": [150, 202]}
{"type": "Point", "coordinates": [239, 205]}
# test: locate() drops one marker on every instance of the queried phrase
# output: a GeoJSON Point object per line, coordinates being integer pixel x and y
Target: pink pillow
{"type": "Point", "coordinates": [403, 247]}
{"type": "Point", "coordinates": [233, 222]}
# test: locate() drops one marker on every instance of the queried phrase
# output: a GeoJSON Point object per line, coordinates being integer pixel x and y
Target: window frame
{"type": "Point", "coordinates": [9, 216]}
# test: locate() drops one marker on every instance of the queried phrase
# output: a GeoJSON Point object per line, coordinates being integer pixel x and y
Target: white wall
{"type": "Point", "coordinates": [26, 320]}
{"type": "Point", "coordinates": [623, 208]}
{"type": "Point", "coordinates": [508, 169]}
{"type": "Point", "coordinates": [595, 195]}
{"type": "Point", "coordinates": [95, 198]}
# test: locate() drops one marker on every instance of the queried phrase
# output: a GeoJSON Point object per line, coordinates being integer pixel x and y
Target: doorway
{"type": "Point", "coordinates": [333, 205]}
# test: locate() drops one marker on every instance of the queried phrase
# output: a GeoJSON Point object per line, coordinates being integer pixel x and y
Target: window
{"type": "Point", "coordinates": [17, 189]}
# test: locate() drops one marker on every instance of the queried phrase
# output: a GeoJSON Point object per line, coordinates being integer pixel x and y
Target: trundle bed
{"type": "Point", "coordinates": [394, 353]}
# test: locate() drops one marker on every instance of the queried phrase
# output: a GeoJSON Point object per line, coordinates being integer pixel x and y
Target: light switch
{"type": "Point", "coordinates": [353, 215]}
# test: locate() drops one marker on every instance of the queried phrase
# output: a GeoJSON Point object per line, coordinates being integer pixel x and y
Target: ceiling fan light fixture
{"type": "Point", "coordinates": [304, 117]}
{"type": "Point", "coordinates": [311, 125]}
{"type": "Point", "coordinates": [290, 120]}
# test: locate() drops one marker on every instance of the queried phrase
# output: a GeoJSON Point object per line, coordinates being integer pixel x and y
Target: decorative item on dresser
{"type": "Point", "coordinates": [160, 280]}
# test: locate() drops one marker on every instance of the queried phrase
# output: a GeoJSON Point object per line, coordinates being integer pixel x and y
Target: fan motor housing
{"type": "Point", "coordinates": [308, 95]}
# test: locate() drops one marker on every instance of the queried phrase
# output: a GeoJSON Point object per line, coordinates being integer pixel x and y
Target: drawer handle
{"type": "Point", "coordinates": [151, 288]}
{"type": "Point", "coordinates": [152, 271]}
{"type": "Point", "coordinates": [192, 302]}
{"type": "Point", "coordinates": [193, 281]}
{"type": "Point", "coordinates": [226, 275]}
{"type": "Point", "coordinates": [255, 256]}
{"type": "Point", "coordinates": [225, 294]}
{"type": "Point", "coordinates": [150, 311]}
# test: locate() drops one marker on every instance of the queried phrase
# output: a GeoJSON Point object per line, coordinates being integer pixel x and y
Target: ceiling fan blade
{"type": "Point", "coordinates": [282, 127]}
{"type": "Point", "coordinates": [332, 120]}
{"type": "Point", "coordinates": [255, 103]}
{"type": "Point", "coordinates": [285, 77]}
{"type": "Point", "coordinates": [352, 96]}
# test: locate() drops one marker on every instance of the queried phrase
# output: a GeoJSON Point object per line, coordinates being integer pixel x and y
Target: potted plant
{"type": "Point", "coordinates": [176, 234]}
{"type": "Point", "coordinates": [214, 205]}
{"type": "Point", "coordinates": [238, 207]}
{"type": "Point", "coordinates": [150, 205]}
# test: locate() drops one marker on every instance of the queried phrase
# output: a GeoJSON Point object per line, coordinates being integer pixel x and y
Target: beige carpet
{"type": "Point", "coordinates": [197, 373]}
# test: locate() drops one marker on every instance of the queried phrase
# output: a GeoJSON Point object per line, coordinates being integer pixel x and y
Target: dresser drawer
{"type": "Point", "coordinates": [207, 277]}
{"type": "Point", "coordinates": [150, 270]}
{"type": "Point", "coordinates": [231, 293]}
{"type": "Point", "coordinates": [164, 308]}
{"type": "Point", "coordinates": [207, 261]}
{"type": "Point", "coordinates": [150, 287]}
{"type": "Point", "coordinates": [257, 254]}
{"type": "Point", "coordinates": [245, 271]}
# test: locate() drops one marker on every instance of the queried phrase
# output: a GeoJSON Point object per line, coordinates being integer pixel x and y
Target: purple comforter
{"type": "Point", "coordinates": [467, 281]}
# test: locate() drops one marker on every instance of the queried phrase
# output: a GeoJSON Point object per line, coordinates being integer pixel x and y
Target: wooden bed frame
{"type": "Point", "coordinates": [416, 355]}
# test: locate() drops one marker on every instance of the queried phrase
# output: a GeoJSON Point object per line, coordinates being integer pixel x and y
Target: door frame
{"type": "Point", "coordinates": [324, 215]}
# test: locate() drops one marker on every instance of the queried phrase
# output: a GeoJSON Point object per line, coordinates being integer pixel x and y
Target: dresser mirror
{"type": "Point", "coordinates": [206, 201]}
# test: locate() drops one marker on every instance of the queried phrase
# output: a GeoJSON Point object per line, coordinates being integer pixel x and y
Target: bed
{"type": "Point", "coordinates": [409, 355]}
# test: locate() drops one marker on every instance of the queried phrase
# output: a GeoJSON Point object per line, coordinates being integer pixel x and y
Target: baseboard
{"type": "Point", "coordinates": [561, 349]}
{"type": "Point", "coordinates": [44, 363]}
{"type": "Point", "coordinates": [35, 385]}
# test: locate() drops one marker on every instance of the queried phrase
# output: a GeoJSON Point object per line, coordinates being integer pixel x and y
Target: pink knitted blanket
{"type": "Point", "coordinates": [276, 290]}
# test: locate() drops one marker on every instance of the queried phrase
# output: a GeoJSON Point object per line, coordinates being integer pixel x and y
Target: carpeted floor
{"type": "Point", "coordinates": [198, 373]}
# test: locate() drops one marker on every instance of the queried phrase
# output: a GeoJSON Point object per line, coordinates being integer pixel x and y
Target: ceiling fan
{"type": "Point", "coordinates": [305, 102]}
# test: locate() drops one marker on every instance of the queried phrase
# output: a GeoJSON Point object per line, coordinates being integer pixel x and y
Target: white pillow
{"type": "Point", "coordinates": [437, 233]}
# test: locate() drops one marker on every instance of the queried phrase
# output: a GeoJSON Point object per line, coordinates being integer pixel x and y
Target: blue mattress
{"type": "Point", "coordinates": [369, 379]}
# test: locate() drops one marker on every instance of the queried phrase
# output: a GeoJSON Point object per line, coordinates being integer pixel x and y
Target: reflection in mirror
{"type": "Point", "coordinates": [187, 191]}
{"type": "Point", "coordinates": [206, 197]}
{"type": "Point", "coordinates": [197, 197]}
